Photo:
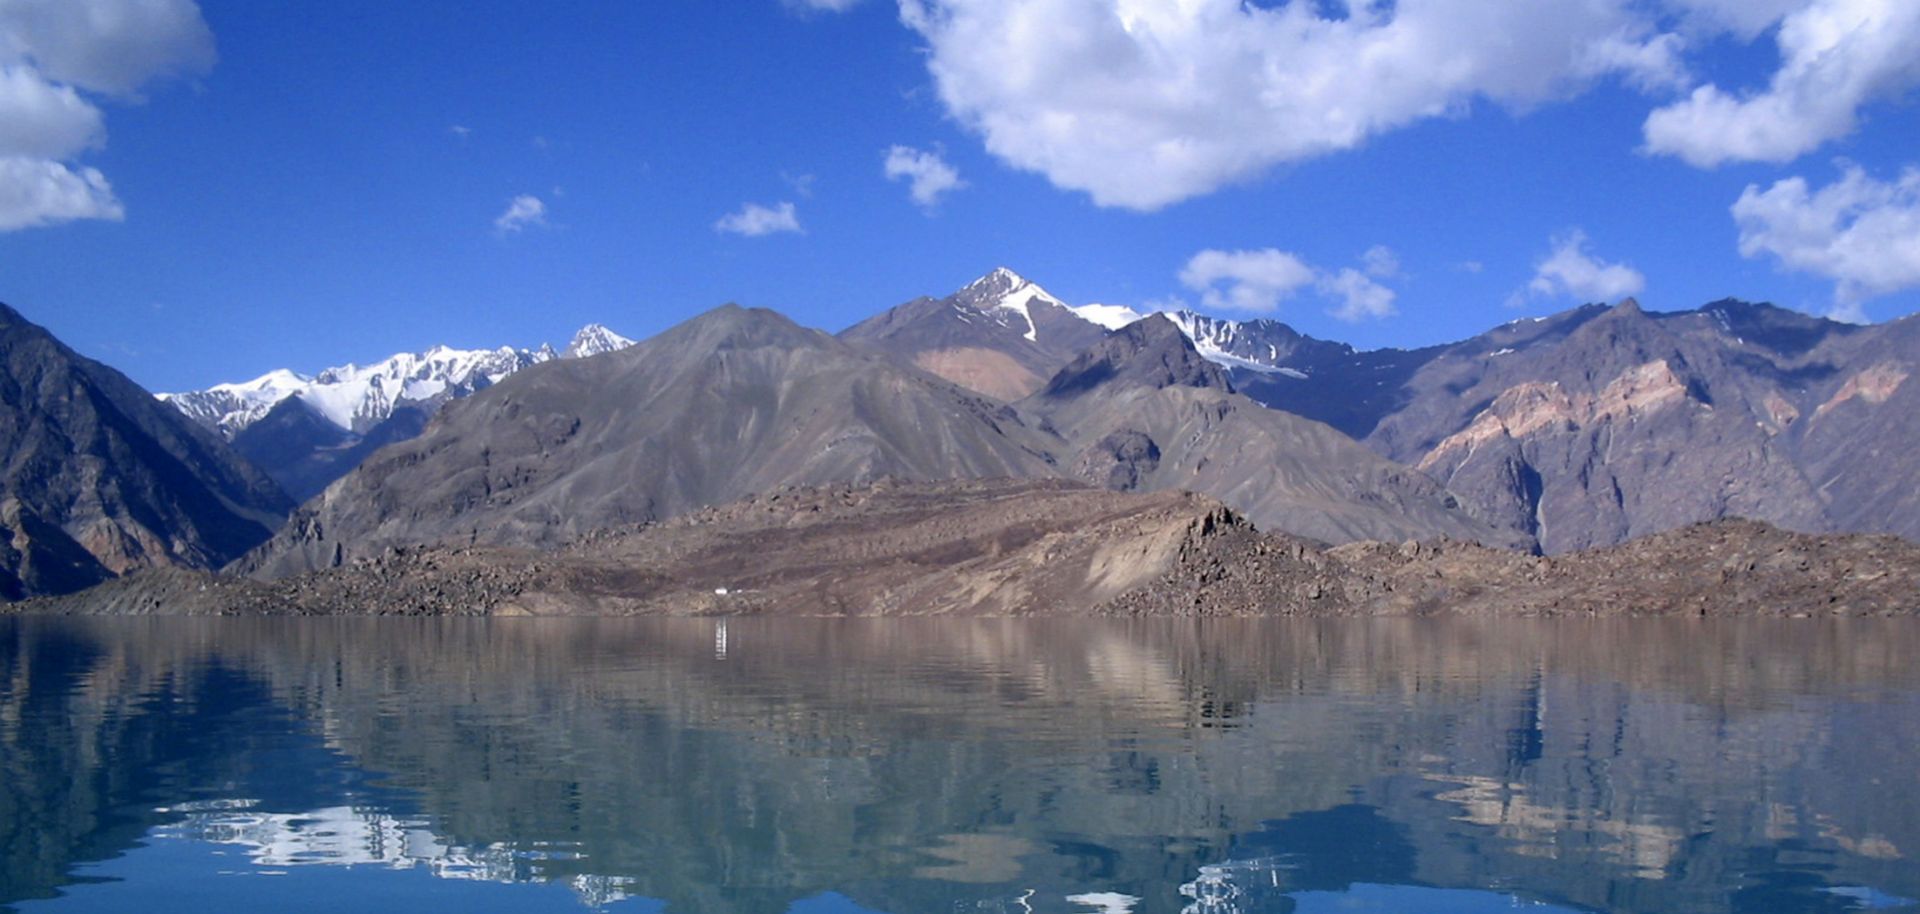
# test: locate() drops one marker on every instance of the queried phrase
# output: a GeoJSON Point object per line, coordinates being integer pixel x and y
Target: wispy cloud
{"type": "Point", "coordinates": [821, 6]}
{"type": "Point", "coordinates": [928, 176]}
{"type": "Point", "coordinates": [753, 220]}
{"type": "Point", "coordinates": [1570, 272]}
{"type": "Point", "coordinates": [522, 211]}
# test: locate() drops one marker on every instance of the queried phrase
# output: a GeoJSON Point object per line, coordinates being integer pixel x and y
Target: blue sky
{"type": "Point", "coordinates": [302, 185]}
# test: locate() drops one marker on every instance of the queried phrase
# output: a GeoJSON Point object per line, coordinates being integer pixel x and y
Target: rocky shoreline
{"type": "Point", "coordinates": [1045, 548]}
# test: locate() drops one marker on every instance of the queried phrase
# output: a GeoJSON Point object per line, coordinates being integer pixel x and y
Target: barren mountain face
{"type": "Point", "coordinates": [101, 479]}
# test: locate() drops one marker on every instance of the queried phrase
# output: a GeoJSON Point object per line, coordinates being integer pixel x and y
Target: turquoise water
{"type": "Point", "coordinates": [1004, 767]}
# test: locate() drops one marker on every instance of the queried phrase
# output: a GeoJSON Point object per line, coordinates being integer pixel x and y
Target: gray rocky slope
{"type": "Point", "coordinates": [1606, 424]}
{"type": "Point", "coordinates": [741, 401]}
{"type": "Point", "coordinates": [1142, 410]}
{"type": "Point", "coordinates": [97, 478]}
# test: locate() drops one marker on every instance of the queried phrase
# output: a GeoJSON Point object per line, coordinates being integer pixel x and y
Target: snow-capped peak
{"type": "Point", "coordinates": [357, 397]}
{"type": "Point", "coordinates": [594, 339]}
{"type": "Point", "coordinates": [1003, 289]}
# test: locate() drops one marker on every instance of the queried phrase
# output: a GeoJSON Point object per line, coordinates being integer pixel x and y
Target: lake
{"type": "Point", "coordinates": [989, 767]}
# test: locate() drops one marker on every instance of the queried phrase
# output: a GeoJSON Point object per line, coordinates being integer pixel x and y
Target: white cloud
{"type": "Point", "coordinates": [36, 192]}
{"type": "Point", "coordinates": [1836, 56]}
{"type": "Point", "coordinates": [1245, 280]}
{"type": "Point", "coordinates": [1142, 104]}
{"type": "Point", "coordinates": [522, 211]}
{"type": "Point", "coordinates": [107, 46]}
{"type": "Point", "coordinates": [461, 130]}
{"type": "Point", "coordinates": [1260, 280]}
{"type": "Point", "coordinates": [1862, 233]}
{"type": "Point", "coordinates": [52, 51]}
{"type": "Point", "coordinates": [1360, 297]}
{"type": "Point", "coordinates": [1571, 272]}
{"type": "Point", "coordinates": [754, 220]}
{"type": "Point", "coordinates": [821, 6]}
{"type": "Point", "coordinates": [1380, 262]}
{"type": "Point", "coordinates": [928, 174]}
{"type": "Point", "coordinates": [1650, 64]}
{"type": "Point", "coordinates": [41, 120]}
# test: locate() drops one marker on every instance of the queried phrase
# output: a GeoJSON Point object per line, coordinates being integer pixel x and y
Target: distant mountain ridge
{"type": "Point", "coordinates": [358, 397]}
{"type": "Point", "coordinates": [308, 431]}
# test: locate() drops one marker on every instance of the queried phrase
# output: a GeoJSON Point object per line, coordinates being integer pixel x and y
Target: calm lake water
{"type": "Point", "coordinates": [933, 766]}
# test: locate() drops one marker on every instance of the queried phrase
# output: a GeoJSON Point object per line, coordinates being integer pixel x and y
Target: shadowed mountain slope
{"type": "Point", "coordinates": [98, 478]}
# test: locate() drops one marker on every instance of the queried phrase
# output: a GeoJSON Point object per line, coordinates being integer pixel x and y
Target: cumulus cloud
{"type": "Point", "coordinates": [107, 46]}
{"type": "Point", "coordinates": [45, 121]}
{"type": "Point", "coordinates": [1259, 281]}
{"type": "Point", "coordinates": [53, 54]}
{"type": "Point", "coordinates": [926, 173]}
{"type": "Point", "coordinates": [1359, 297]}
{"type": "Point", "coordinates": [1862, 233]}
{"type": "Point", "coordinates": [1571, 272]}
{"type": "Point", "coordinates": [1836, 56]}
{"type": "Point", "coordinates": [522, 211]}
{"type": "Point", "coordinates": [1245, 280]}
{"type": "Point", "coordinates": [1144, 104]}
{"type": "Point", "coordinates": [36, 192]}
{"type": "Point", "coordinates": [754, 220]}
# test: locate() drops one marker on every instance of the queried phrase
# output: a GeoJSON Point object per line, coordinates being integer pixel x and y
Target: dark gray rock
{"type": "Point", "coordinates": [98, 478]}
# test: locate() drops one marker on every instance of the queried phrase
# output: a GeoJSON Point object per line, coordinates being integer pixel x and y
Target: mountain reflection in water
{"type": "Point", "coordinates": [911, 766]}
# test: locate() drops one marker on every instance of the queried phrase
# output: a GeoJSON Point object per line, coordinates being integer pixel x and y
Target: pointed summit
{"type": "Point", "coordinates": [1151, 352]}
{"type": "Point", "coordinates": [595, 339]}
{"type": "Point", "coordinates": [1005, 289]}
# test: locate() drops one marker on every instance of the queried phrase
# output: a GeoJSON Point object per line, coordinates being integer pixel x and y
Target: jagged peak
{"type": "Point", "coordinates": [594, 339]}
{"type": "Point", "coordinates": [1000, 278]}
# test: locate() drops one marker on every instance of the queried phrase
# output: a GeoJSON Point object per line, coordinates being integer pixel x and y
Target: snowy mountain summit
{"type": "Point", "coordinates": [592, 340]}
{"type": "Point", "coordinates": [355, 398]}
{"type": "Point", "coordinates": [1007, 297]}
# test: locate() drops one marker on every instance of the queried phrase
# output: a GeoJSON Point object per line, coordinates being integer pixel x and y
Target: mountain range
{"type": "Point", "coordinates": [1575, 431]}
{"type": "Point", "coordinates": [306, 431]}
{"type": "Point", "coordinates": [1584, 428]}
{"type": "Point", "coordinates": [739, 401]}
